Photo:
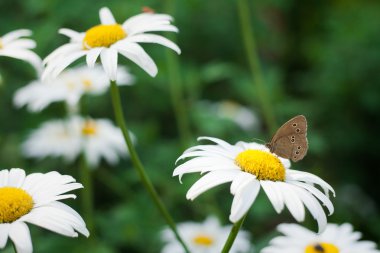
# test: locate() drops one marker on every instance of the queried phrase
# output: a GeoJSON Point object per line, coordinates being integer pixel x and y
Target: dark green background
{"type": "Point", "coordinates": [319, 58]}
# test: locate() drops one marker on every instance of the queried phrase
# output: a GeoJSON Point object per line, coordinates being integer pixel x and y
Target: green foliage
{"type": "Point", "coordinates": [320, 59]}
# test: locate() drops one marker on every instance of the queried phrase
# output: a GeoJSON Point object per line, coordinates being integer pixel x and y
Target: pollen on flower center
{"type": "Point", "coordinates": [14, 203]}
{"type": "Point", "coordinates": [203, 240]}
{"type": "Point", "coordinates": [321, 248]}
{"type": "Point", "coordinates": [103, 36]}
{"type": "Point", "coordinates": [1, 44]}
{"type": "Point", "coordinates": [263, 165]}
{"type": "Point", "coordinates": [87, 84]}
{"type": "Point", "coordinates": [89, 128]}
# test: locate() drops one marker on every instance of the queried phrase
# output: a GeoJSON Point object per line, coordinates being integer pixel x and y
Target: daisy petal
{"type": "Point", "coordinates": [209, 181]}
{"type": "Point", "coordinates": [108, 58]}
{"type": "Point", "coordinates": [293, 202]}
{"type": "Point", "coordinates": [106, 17]}
{"type": "Point", "coordinates": [244, 198]}
{"type": "Point", "coordinates": [20, 235]}
{"type": "Point", "coordinates": [275, 196]}
{"type": "Point", "coordinates": [153, 38]}
{"type": "Point", "coordinates": [11, 36]}
{"type": "Point", "coordinates": [93, 55]}
{"type": "Point", "coordinates": [4, 232]}
{"type": "Point", "coordinates": [16, 178]}
{"type": "Point", "coordinates": [136, 53]}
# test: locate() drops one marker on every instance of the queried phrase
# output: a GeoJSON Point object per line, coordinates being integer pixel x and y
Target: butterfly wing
{"type": "Point", "coordinates": [290, 140]}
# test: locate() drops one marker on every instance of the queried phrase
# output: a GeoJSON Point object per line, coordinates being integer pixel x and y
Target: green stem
{"type": "Point", "coordinates": [87, 194]}
{"type": "Point", "coordinates": [254, 63]}
{"type": "Point", "coordinates": [232, 236]}
{"type": "Point", "coordinates": [119, 115]}
{"type": "Point", "coordinates": [176, 89]}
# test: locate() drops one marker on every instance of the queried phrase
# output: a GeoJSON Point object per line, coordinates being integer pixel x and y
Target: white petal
{"type": "Point", "coordinates": [4, 231]}
{"type": "Point", "coordinates": [109, 62]}
{"type": "Point", "coordinates": [54, 70]}
{"type": "Point", "coordinates": [274, 195]}
{"type": "Point", "coordinates": [295, 230]}
{"type": "Point", "coordinates": [11, 36]}
{"type": "Point", "coordinates": [238, 181]}
{"type": "Point", "coordinates": [93, 55]}
{"type": "Point", "coordinates": [220, 142]}
{"type": "Point", "coordinates": [293, 202]}
{"type": "Point", "coordinates": [106, 17]}
{"type": "Point", "coordinates": [4, 177]}
{"type": "Point", "coordinates": [55, 218]}
{"type": "Point", "coordinates": [244, 199]}
{"type": "Point", "coordinates": [308, 178]}
{"type": "Point", "coordinates": [22, 44]}
{"type": "Point", "coordinates": [16, 178]}
{"type": "Point", "coordinates": [73, 35]}
{"type": "Point", "coordinates": [204, 164]}
{"type": "Point", "coordinates": [323, 198]}
{"type": "Point", "coordinates": [25, 55]}
{"type": "Point", "coordinates": [20, 235]}
{"type": "Point", "coordinates": [62, 51]}
{"type": "Point", "coordinates": [136, 53]}
{"type": "Point", "coordinates": [314, 207]}
{"type": "Point", "coordinates": [153, 38]}
{"type": "Point", "coordinates": [209, 181]}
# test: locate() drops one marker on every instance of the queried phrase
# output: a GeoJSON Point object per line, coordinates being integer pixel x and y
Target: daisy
{"type": "Point", "coordinates": [206, 237]}
{"type": "Point", "coordinates": [109, 39]}
{"type": "Point", "coordinates": [70, 86]}
{"type": "Point", "coordinates": [68, 139]}
{"type": "Point", "coordinates": [231, 111]}
{"type": "Point", "coordinates": [35, 199]}
{"type": "Point", "coordinates": [335, 239]}
{"type": "Point", "coordinates": [13, 45]}
{"type": "Point", "coordinates": [249, 167]}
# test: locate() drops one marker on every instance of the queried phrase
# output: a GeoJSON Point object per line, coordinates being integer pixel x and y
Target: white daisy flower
{"type": "Point", "coordinates": [68, 139]}
{"type": "Point", "coordinates": [109, 39]}
{"type": "Point", "coordinates": [232, 111]}
{"type": "Point", "coordinates": [70, 86]}
{"type": "Point", "coordinates": [250, 166]}
{"type": "Point", "coordinates": [35, 199]}
{"type": "Point", "coordinates": [335, 239]}
{"type": "Point", "coordinates": [13, 45]}
{"type": "Point", "coordinates": [206, 237]}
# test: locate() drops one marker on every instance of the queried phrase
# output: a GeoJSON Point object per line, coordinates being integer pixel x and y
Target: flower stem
{"type": "Point", "coordinates": [118, 110]}
{"type": "Point", "coordinates": [233, 233]}
{"type": "Point", "coordinates": [254, 63]}
{"type": "Point", "coordinates": [87, 194]}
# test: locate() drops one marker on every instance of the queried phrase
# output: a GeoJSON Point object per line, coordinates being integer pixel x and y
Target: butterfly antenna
{"type": "Point", "coordinates": [260, 140]}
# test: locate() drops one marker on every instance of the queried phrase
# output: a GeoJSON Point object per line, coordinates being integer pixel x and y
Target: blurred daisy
{"type": "Point", "coordinates": [335, 239]}
{"type": "Point", "coordinates": [35, 199]}
{"type": "Point", "coordinates": [68, 139]}
{"type": "Point", "coordinates": [13, 45]}
{"type": "Point", "coordinates": [232, 111]}
{"type": "Point", "coordinates": [70, 86]}
{"type": "Point", "coordinates": [251, 166]}
{"type": "Point", "coordinates": [206, 237]}
{"type": "Point", "coordinates": [109, 39]}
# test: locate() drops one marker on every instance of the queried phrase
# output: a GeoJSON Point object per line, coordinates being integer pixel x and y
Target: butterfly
{"type": "Point", "coordinates": [290, 140]}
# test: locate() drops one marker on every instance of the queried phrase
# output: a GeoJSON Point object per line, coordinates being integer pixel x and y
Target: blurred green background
{"type": "Point", "coordinates": [319, 58]}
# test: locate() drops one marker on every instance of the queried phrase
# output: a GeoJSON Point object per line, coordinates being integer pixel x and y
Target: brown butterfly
{"type": "Point", "coordinates": [290, 140]}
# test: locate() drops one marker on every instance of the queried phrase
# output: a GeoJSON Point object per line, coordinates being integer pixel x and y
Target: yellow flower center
{"type": "Point", "coordinates": [1, 44]}
{"type": "Point", "coordinates": [203, 240]}
{"type": "Point", "coordinates": [103, 36]}
{"type": "Point", "coordinates": [89, 128]}
{"type": "Point", "coordinates": [321, 248]}
{"type": "Point", "coordinates": [87, 84]}
{"type": "Point", "coordinates": [263, 165]}
{"type": "Point", "coordinates": [14, 203]}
